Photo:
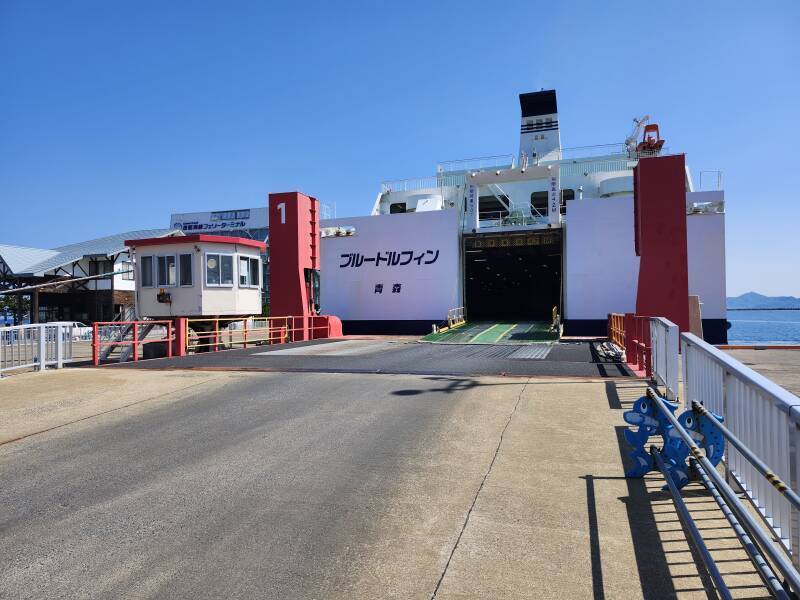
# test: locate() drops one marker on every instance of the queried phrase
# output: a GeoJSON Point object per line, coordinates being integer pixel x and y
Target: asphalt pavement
{"type": "Point", "coordinates": [230, 483]}
{"type": "Point", "coordinates": [271, 487]}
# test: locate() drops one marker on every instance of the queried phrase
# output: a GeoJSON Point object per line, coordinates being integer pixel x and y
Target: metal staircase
{"type": "Point", "coordinates": [117, 333]}
{"type": "Point", "coordinates": [127, 350]}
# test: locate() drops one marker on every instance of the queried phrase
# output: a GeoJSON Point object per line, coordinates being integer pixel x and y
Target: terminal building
{"type": "Point", "coordinates": [87, 281]}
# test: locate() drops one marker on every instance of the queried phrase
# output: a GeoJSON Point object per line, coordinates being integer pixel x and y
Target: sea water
{"type": "Point", "coordinates": [764, 327]}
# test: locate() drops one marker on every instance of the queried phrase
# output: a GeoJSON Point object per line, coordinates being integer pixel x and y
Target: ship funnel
{"type": "Point", "coordinates": [539, 138]}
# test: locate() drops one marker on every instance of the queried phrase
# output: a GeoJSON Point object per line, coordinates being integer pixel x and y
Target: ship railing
{"type": "Point", "coordinates": [513, 218]}
{"type": "Point", "coordinates": [622, 161]}
{"type": "Point", "coordinates": [605, 151]}
{"type": "Point", "coordinates": [481, 163]}
{"type": "Point", "coordinates": [709, 181]}
{"type": "Point", "coordinates": [456, 316]}
{"type": "Point", "coordinates": [581, 152]}
{"type": "Point", "coordinates": [452, 173]}
{"type": "Point", "coordinates": [765, 418]}
{"type": "Point", "coordinates": [35, 347]}
{"type": "Point", "coordinates": [327, 210]}
{"type": "Point", "coordinates": [423, 183]}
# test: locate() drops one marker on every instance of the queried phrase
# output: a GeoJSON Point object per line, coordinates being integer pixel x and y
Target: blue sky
{"type": "Point", "coordinates": [114, 115]}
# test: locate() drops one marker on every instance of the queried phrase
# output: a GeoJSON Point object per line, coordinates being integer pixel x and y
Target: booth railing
{"type": "Point", "coordinates": [211, 335]}
{"type": "Point", "coordinates": [133, 340]}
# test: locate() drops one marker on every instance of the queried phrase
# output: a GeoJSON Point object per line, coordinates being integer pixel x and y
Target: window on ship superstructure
{"type": "Point", "coordinates": [490, 208]}
{"type": "Point", "coordinates": [566, 195]}
{"type": "Point", "coordinates": [397, 207]}
{"type": "Point", "coordinates": [539, 203]}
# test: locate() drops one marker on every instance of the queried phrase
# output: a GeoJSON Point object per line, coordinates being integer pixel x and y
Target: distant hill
{"type": "Point", "coordinates": [754, 300]}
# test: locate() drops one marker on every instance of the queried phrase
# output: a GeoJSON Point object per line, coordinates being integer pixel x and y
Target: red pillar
{"type": "Point", "coordinates": [293, 248]}
{"type": "Point", "coordinates": [95, 345]}
{"type": "Point", "coordinates": [660, 214]}
{"type": "Point", "coordinates": [135, 341]}
{"type": "Point", "coordinates": [180, 331]}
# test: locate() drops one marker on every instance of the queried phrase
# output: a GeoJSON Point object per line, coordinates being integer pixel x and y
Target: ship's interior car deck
{"type": "Point", "coordinates": [512, 279]}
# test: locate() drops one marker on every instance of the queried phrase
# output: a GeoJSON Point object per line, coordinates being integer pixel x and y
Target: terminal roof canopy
{"type": "Point", "coordinates": [20, 261]}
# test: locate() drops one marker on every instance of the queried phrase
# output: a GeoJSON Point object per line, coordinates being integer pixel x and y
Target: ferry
{"type": "Point", "coordinates": [548, 234]}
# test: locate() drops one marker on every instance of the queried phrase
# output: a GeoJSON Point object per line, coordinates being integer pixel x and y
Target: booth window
{"type": "Point", "coordinates": [249, 272]}
{"type": "Point", "coordinates": [244, 271]}
{"type": "Point", "coordinates": [167, 271]}
{"type": "Point", "coordinates": [219, 269]}
{"type": "Point", "coordinates": [147, 271]}
{"type": "Point", "coordinates": [255, 272]}
{"type": "Point", "coordinates": [185, 264]}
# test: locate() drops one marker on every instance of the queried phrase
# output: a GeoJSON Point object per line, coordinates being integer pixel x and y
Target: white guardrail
{"type": "Point", "coordinates": [664, 347]}
{"type": "Point", "coordinates": [764, 416]}
{"type": "Point", "coordinates": [34, 347]}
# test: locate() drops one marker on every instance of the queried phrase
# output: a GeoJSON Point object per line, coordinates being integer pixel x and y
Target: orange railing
{"type": "Point", "coordinates": [616, 329]}
{"type": "Point", "coordinates": [132, 328]}
{"type": "Point", "coordinates": [632, 334]}
{"type": "Point", "coordinates": [214, 334]}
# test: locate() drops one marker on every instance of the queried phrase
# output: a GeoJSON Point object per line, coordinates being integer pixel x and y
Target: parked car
{"type": "Point", "coordinates": [80, 331]}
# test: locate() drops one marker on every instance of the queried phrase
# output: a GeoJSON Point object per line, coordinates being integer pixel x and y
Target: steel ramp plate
{"type": "Point", "coordinates": [532, 351]}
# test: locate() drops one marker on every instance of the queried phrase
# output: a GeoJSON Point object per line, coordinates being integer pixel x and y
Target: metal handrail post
{"type": "Point", "coordinates": [42, 347]}
{"type": "Point", "coordinates": [688, 523]}
{"type": "Point", "coordinates": [60, 345]}
{"type": "Point", "coordinates": [764, 570]}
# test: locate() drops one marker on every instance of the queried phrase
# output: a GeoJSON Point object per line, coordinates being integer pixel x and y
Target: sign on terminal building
{"type": "Point", "coordinates": [220, 221]}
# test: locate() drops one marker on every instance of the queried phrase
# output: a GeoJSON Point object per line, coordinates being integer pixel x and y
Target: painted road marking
{"type": "Point", "coordinates": [484, 332]}
{"type": "Point", "coordinates": [484, 337]}
{"type": "Point", "coordinates": [502, 335]}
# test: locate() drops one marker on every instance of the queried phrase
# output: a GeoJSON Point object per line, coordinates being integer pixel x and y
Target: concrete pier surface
{"type": "Point", "coordinates": [780, 365]}
{"type": "Point", "coordinates": [140, 483]}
